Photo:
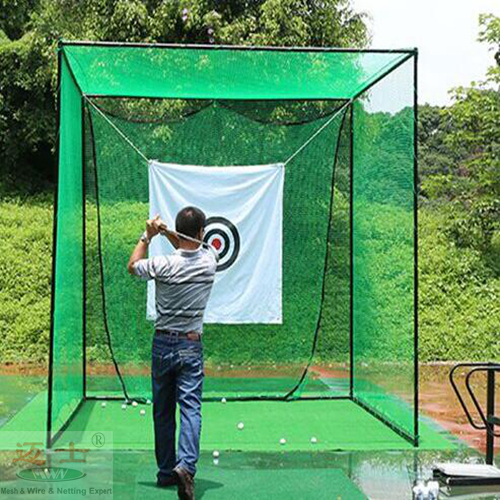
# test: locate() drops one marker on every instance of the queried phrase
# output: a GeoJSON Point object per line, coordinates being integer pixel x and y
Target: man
{"type": "Point", "coordinates": [183, 281]}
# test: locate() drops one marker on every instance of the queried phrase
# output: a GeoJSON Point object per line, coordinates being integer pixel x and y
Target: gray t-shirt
{"type": "Point", "coordinates": [183, 281]}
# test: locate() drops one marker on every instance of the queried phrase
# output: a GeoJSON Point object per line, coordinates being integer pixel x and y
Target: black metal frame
{"type": "Point", "coordinates": [410, 53]}
{"type": "Point", "coordinates": [84, 253]}
{"type": "Point", "coordinates": [234, 47]}
{"type": "Point", "coordinates": [351, 252]}
{"type": "Point", "coordinates": [415, 242]}
{"type": "Point", "coordinates": [53, 276]}
{"type": "Point", "coordinates": [49, 438]}
{"type": "Point", "coordinates": [489, 420]}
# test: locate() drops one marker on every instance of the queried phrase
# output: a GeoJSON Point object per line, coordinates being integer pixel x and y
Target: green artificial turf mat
{"type": "Point", "coordinates": [217, 482]}
{"type": "Point", "coordinates": [30, 419]}
{"type": "Point", "coordinates": [336, 424]}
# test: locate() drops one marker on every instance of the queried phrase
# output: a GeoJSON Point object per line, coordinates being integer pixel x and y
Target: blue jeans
{"type": "Point", "coordinates": [177, 376]}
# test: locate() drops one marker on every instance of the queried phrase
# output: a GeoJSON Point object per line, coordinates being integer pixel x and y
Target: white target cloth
{"type": "Point", "coordinates": [244, 209]}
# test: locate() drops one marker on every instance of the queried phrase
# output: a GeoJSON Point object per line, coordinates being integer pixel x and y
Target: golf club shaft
{"type": "Point", "coordinates": [183, 236]}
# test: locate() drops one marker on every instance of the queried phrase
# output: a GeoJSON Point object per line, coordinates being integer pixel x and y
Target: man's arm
{"type": "Point", "coordinates": [153, 227]}
{"type": "Point", "coordinates": [173, 238]}
{"type": "Point", "coordinates": [138, 253]}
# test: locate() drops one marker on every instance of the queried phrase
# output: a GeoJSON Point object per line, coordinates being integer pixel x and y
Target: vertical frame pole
{"type": "Point", "coordinates": [54, 259]}
{"type": "Point", "coordinates": [490, 413]}
{"type": "Point", "coordinates": [351, 251]}
{"type": "Point", "coordinates": [84, 263]}
{"type": "Point", "coordinates": [415, 242]}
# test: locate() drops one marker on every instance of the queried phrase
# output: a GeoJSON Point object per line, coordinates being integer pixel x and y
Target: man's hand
{"type": "Point", "coordinates": [155, 226]}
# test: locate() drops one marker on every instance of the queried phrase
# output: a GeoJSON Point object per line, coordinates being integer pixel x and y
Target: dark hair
{"type": "Point", "coordinates": [189, 221]}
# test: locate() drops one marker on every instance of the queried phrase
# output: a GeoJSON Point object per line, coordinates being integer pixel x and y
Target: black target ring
{"type": "Point", "coordinates": [221, 233]}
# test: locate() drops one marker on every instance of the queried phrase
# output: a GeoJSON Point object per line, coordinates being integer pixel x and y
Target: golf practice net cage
{"type": "Point", "coordinates": [344, 124]}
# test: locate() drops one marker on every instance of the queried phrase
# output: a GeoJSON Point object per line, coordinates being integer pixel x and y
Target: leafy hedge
{"type": "Point", "coordinates": [25, 269]}
{"type": "Point", "coordinates": [459, 292]}
{"type": "Point", "coordinates": [459, 296]}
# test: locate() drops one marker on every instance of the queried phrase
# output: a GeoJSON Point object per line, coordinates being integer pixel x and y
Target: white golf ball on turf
{"type": "Point", "coordinates": [314, 440]}
{"type": "Point", "coordinates": [216, 461]}
{"type": "Point", "coordinates": [223, 400]}
{"type": "Point", "coordinates": [124, 406]}
{"type": "Point", "coordinates": [216, 454]}
{"type": "Point", "coordinates": [134, 404]}
{"type": "Point", "coordinates": [103, 405]}
{"type": "Point", "coordinates": [240, 426]}
{"type": "Point", "coordinates": [148, 402]}
{"type": "Point", "coordinates": [143, 412]}
{"type": "Point", "coordinates": [282, 441]}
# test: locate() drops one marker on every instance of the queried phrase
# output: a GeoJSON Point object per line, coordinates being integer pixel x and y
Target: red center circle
{"type": "Point", "coordinates": [216, 243]}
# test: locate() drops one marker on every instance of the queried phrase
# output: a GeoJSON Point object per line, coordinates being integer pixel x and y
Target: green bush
{"type": "Point", "coordinates": [25, 269]}
{"type": "Point", "coordinates": [30, 30]}
{"type": "Point", "coordinates": [459, 296]}
{"type": "Point", "coordinates": [459, 292]}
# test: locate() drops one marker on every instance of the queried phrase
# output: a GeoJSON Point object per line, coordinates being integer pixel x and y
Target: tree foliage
{"type": "Point", "coordinates": [28, 64]}
{"type": "Point", "coordinates": [14, 16]}
{"type": "Point", "coordinates": [462, 143]}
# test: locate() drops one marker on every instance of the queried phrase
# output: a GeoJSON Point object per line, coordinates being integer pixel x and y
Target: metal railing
{"type": "Point", "coordinates": [489, 420]}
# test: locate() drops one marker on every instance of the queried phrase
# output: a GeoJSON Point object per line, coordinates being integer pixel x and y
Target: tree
{"type": "Point", "coordinates": [14, 16]}
{"type": "Point", "coordinates": [474, 118]}
{"type": "Point", "coordinates": [28, 65]}
{"type": "Point", "coordinates": [460, 153]}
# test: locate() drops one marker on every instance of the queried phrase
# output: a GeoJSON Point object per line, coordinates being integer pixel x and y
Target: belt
{"type": "Point", "coordinates": [181, 335]}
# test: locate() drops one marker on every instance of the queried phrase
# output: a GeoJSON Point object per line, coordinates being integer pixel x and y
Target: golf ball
{"type": "Point", "coordinates": [124, 407]}
{"type": "Point", "coordinates": [103, 405]}
{"type": "Point", "coordinates": [134, 404]}
{"type": "Point", "coordinates": [143, 412]}
{"type": "Point", "coordinates": [282, 441]}
{"type": "Point", "coordinates": [240, 426]}
{"type": "Point", "coordinates": [216, 461]}
{"type": "Point", "coordinates": [314, 440]}
{"type": "Point", "coordinates": [216, 454]}
{"type": "Point", "coordinates": [148, 402]}
{"type": "Point", "coordinates": [223, 400]}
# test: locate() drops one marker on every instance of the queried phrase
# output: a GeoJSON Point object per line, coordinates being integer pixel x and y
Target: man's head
{"type": "Point", "coordinates": [191, 222]}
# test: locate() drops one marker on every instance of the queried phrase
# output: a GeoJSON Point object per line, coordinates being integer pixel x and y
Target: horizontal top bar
{"type": "Point", "coordinates": [62, 42]}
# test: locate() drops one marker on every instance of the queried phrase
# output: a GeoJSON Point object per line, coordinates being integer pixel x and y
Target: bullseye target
{"type": "Point", "coordinates": [222, 235]}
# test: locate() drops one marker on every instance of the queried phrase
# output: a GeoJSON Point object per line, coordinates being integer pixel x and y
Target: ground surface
{"type": "Point", "coordinates": [295, 470]}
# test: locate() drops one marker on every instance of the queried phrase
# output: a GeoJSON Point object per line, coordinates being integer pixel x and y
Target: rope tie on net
{"type": "Point", "coordinates": [320, 129]}
{"type": "Point", "coordinates": [122, 135]}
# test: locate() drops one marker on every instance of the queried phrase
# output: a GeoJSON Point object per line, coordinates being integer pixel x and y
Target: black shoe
{"type": "Point", "coordinates": [166, 482]}
{"type": "Point", "coordinates": [185, 484]}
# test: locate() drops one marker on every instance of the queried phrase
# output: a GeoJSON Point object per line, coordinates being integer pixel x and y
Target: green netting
{"type": "Point", "coordinates": [348, 243]}
{"type": "Point", "coordinates": [212, 134]}
{"type": "Point", "coordinates": [333, 348]}
{"type": "Point", "coordinates": [225, 73]}
{"type": "Point", "coordinates": [67, 341]}
{"type": "Point", "coordinates": [383, 243]}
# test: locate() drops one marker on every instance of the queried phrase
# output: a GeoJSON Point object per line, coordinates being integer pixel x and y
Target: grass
{"type": "Point", "coordinates": [459, 293]}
